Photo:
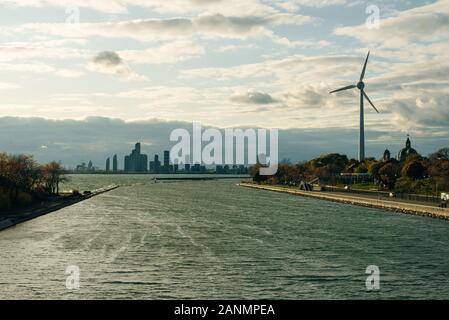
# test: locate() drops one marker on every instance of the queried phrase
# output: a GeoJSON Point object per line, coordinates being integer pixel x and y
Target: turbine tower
{"type": "Point", "coordinates": [361, 86]}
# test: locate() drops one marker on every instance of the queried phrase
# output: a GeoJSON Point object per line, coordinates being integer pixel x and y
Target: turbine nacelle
{"type": "Point", "coordinates": [361, 85]}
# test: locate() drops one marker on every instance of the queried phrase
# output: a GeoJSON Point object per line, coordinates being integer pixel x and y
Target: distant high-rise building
{"type": "Point", "coordinates": [108, 164]}
{"type": "Point", "coordinates": [136, 162]}
{"type": "Point", "coordinates": [114, 163]}
{"type": "Point", "coordinates": [127, 164]}
{"type": "Point", "coordinates": [166, 159]}
{"type": "Point", "coordinates": [242, 169]}
{"type": "Point", "coordinates": [187, 164]}
{"type": "Point", "coordinates": [196, 168]}
{"type": "Point", "coordinates": [83, 168]}
{"type": "Point", "coordinates": [155, 165]}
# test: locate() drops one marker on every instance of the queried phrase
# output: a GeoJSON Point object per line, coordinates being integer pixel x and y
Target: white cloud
{"type": "Point", "coordinates": [247, 7]}
{"type": "Point", "coordinates": [208, 25]}
{"type": "Point", "coordinates": [288, 68]}
{"type": "Point", "coordinates": [314, 44]}
{"type": "Point", "coordinates": [111, 6]}
{"type": "Point", "coordinates": [7, 86]}
{"type": "Point", "coordinates": [28, 51]}
{"type": "Point", "coordinates": [426, 23]}
{"type": "Point", "coordinates": [232, 7]}
{"type": "Point", "coordinates": [320, 3]}
{"type": "Point", "coordinates": [168, 53]}
{"type": "Point", "coordinates": [236, 47]}
{"type": "Point", "coordinates": [27, 68]}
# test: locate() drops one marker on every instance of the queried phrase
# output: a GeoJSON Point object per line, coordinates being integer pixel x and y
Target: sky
{"type": "Point", "coordinates": [94, 69]}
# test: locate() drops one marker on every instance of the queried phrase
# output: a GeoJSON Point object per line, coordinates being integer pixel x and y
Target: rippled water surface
{"type": "Point", "coordinates": [213, 239]}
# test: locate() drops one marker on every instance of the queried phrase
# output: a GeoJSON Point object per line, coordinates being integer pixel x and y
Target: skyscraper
{"type": "Point", "coordinates": [114, 164]}
{"type": "Point", "coordinates": [155, 166]}
{"type": "Point", "coordinates": [187, 164]}
{"type": "Point", "coordinates": [166, 159]}
{"type": "Point", "coordinates": [196, 168]}
{"type": "Point", "coordinates": [108, 164]}
{"type": "Point", "coordinates": [136, 162]}
{"type": "Point", "coordinates": [166, 167]}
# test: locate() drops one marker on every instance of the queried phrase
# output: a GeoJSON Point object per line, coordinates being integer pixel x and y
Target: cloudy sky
{"type": "Point", "coordinates": [225, 63]}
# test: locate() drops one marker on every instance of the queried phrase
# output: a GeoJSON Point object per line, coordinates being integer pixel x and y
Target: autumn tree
{"type": "Point", "coordinates": [389, 173]}
{"type": "Point", "coordinates": [442, 154]}
{"type": "Point", "coordinates": [255, 173]}
{"type": "Point", "coordinates": [53, 176]}
{"type": "Point", "coordinates": [413, 169]}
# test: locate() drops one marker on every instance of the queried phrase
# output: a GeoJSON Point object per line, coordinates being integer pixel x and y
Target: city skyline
{"type": "Point", "coordinates": [74, 142]}
{"type": "Point", "coordinates": [155, 166]}
{"type": "Point", "coordinates": [137, 162]}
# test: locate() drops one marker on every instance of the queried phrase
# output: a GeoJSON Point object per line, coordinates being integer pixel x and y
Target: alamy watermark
{"type": "Point", "coordinates": [73, 15]}
{"type": "Point", "coordinates": [373, 280]}
{"type": "Point", "coordinates": [227, 150]}
{"type": "Point", "coordinates": [72, 282]}
{"type": "Point", "coordinates": [373, 19]}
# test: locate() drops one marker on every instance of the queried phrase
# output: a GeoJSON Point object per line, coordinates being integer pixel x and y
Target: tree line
{"type": "Point", "coordinates": [23, 180]}
{"type": "Point", "coordinates": [417, 174]}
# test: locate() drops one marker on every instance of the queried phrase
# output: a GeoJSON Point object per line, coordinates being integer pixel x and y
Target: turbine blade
{"type": "Point", "coordinates": [362, 76]}
{"type": "Point", "coordinates": [345, 88]}
{"type": "Point", "coordinates": [367, 98]}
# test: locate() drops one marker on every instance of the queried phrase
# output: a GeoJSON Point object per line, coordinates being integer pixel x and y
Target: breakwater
{"type": "Point", "coordinates": [7, 221]}
{"type": "Point", "coordinates": [361, 200]}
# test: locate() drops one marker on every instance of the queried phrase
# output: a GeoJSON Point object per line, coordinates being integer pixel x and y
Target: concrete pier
{"type": "Point", "coordinates": [7, 221]}
{"type": "Point", "coordinates": [360, 200]}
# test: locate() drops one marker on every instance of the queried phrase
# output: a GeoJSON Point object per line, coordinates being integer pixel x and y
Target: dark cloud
{"type": "Point", "coordinates": [253, 97]}
{"type": "Point", "coordinates": [109, 62]}
{"type": "Point", "coordinates": [107, 58]}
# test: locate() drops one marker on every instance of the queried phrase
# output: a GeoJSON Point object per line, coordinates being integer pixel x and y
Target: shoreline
{"type": "Point", "coordinates": [359, 200]}
{"type": "Point", "coordinates": [12, 220]}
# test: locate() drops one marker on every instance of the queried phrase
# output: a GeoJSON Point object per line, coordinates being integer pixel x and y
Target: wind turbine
{"type": "Point", "coordinates": [361, 86]}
